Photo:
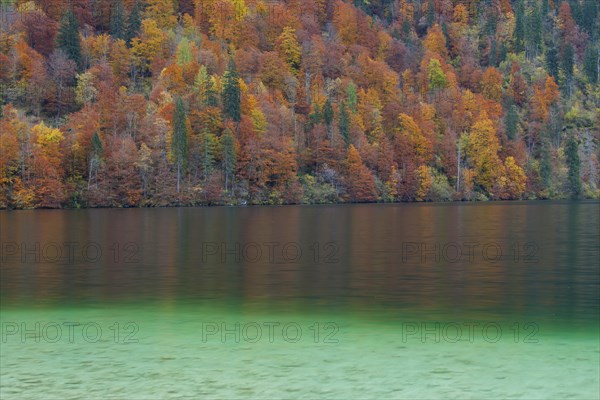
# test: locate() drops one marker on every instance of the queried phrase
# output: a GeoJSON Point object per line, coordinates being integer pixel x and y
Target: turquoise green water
{"type": "Point", "coordinates": [173, 324]}
{"type": "Point", "coordinates": [170, 357]}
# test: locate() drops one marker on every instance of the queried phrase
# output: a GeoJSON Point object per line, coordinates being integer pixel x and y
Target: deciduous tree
{"type": "Point", "coordinates": [48, 172]}
{"type": "Point", "coordinates": [289, 48]}
{"type": "Point", "coordinates": [482, 147]}
{"type": "Point", "coordinates": [179, 139]}
{"type": "Point", "coordinates": [359, 180]}
{"type": "Point", "coordinates": [162, 12]}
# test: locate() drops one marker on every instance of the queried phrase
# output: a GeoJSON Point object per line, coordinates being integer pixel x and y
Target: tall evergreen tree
{"type": "Point", "coordinates": [68, 37]}
{"type": "Point", "coordinates": [567, 66]}
{"type": "Point", "coordinates": [179, 140]}
{"type": "Point", "coordinates": [207, 152]}
{"type": "Point", "coordinates": [352, 96]}
{"type": "Point", "coordinates": [544, 9]}
{"type": "Point", "coordinates": [430, 13]}
{"type": "Point", "coordinates": [552, 61]}
{"type": "Point", "coordinates": [590, 64]}
{"type": "Point", "coordinates": [519, 32]}
{"type": "Point", "coordinates": [232, 92]}
{"type": "Point", "coordinates": [328, 116]}
{"type": "Point", "coordinates": [134, 23]}
{"type": "Point", "coordinates": [117, 20]}
{"type": "Point", "coordinates": [574, 164]}
{"type": "Point", "coordinates": [406, 28]}
{"type": "Point", "coordinates": [534, 31]}
{"type": "Point", "coordinates": [211, 98]}
{"type": "Point", "coordinates": [229, 157]}
{"type": "Point", "coordinates": [568, 61]}
{"type": "Point", "coordinates": [493, 59]}
{"type": "Point", "coordinates": [314, 118]}
{"type": "Point", "coordinates": [491, 23]}
{"type": "Point", "coordinates": [511, 121]}
{"type": "Point", "coordinates": [502, 53]}
{"type": "Point", "coordinates": [589, 14]}
{"type": "Point", "coordinates": [545, 165]}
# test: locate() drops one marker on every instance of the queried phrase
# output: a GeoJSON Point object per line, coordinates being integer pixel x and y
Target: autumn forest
{"type": "Point", "coordinates": [143, 103]}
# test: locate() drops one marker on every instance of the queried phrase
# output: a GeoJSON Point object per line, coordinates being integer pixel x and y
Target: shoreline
{"type": "Point", "coordinates": [451, 202]}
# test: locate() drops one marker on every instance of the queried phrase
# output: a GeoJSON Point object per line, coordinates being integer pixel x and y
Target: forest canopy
{"type": "Point", "coordinates": [128, 103]}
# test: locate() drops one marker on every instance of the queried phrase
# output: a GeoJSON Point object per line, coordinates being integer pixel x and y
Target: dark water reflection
{"type": "Point", "coordinates": [377, 259]}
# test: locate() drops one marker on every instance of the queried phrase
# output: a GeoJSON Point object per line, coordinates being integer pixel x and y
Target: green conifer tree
{"type": "Point", "coordinates": [344, 123]}
{"type": "Point", "coordinates": [352, 97]}
{"type": "Point", "coordinates": [512, 122]}
{"type": "Point", "coordinates": [232, 93]}
{"type": "Point", "coordinates": [552, 61]}
{"type": "Point", "coordinates": [574, 164]}
{"type": "Point", "coordinates": [229, 158]}
{"type": "Point", "coordinates": [134, 23]}
{"type": "Point", "coordinates": [117, 20]}
{"type": "Point", "coordinates": [68, 37]}
{"type": "Point", "coordinates": [590, 64]}
{"type": "Point", "coordinates": [519, 32]}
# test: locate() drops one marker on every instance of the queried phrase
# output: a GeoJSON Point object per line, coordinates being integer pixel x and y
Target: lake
{"type": "Point", "coordinates": [473, 300]}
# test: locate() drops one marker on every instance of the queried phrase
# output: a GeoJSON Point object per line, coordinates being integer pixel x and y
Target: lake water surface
{"type": "Point", "coordinates": [494, 300]}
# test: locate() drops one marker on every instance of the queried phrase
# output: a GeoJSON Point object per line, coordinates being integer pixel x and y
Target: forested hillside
{"type": "Point", "coordinates": [110, 103]}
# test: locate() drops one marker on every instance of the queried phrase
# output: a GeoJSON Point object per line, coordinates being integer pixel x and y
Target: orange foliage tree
{"type": "Point", "coordinates": [359, 180]}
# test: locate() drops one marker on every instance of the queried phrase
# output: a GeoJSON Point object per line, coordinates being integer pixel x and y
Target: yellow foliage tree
{"type": "Point", "coordinates": [491, 84]}
{"type": "Point", "coordinates": [420, 146]}
{"type": "Point", "coordinates": [149, 44]}
{"type": "Point", "coordinates": [47, 137]}
{"type": "Point", "coordinates": [224, 17]}
{"type": "Point", "coordinates": [97, 47]}
{"type": "Point", "coordinates": [47, 170]}
{"type": "Point", "coordinates": [482, 148]}
{"type": "Point", "coordinates": [289, 48]}
{"type": "Point", "coordinates": [513, 181]}
{"type": "Point", "coordinates": [162, 12]}
{"type": "Point", "coordinates": [258, 120]}
{"type": "Point", "coordinates": [424, 182]}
